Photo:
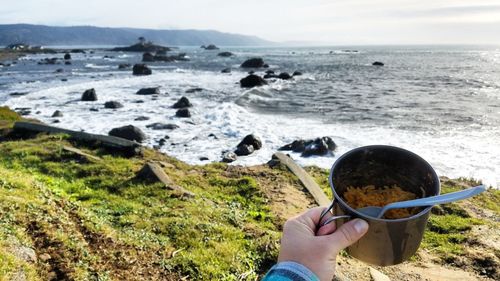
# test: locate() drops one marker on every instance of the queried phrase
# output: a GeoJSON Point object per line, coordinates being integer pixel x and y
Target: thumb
{"type": "Point", "coordinates": [348, 234]}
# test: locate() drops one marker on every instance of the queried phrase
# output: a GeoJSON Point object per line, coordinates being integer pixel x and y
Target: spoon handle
{"type": "Point", "coordinates": [435, 200]}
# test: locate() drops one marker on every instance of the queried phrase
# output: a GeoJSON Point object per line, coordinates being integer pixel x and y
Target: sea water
{"type": "Point", "coordinates": [441, 102]}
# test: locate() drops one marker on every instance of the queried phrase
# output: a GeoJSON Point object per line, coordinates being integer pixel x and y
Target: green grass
{"type": "Point", "coordinates": [225, 232]}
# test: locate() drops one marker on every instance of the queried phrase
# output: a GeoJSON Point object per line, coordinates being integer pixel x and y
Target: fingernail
{"type": "Point", "coordinates": [360, 226]}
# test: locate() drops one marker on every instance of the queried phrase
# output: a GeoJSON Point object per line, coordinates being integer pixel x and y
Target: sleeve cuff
{"type": "Point", "coordinates": [289, 270]}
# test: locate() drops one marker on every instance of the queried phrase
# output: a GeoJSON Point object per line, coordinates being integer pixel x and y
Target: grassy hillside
{"type": "Point", "coordinates": [64, 217]}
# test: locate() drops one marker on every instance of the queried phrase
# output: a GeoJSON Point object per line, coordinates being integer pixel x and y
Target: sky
{"type": "Point", "coordinates": [343, 22]}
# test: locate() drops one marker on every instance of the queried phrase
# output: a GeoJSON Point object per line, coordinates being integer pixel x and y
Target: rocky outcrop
{"type": "Point", "coordinates": [378, 63]}
{"type": "Point", "coordinates": [211, 47]}
{"type": "Point", "coordinates": [148, 91]}
{"type": "Point", "coordinates": [225, 54]}
{"type": "Point", "coordinates": [57, 113]}
{"type": "Point", "coordinates": [89, 95]}
{"type": "Point", "coordinates": [297, 73]}
{"type": "Point", "coordinates": [194, 90]}
{"type": "Point", "coordinates": [124, 66]}
{"type": "Point", "coordinates": [67, 56]}
{"type": "Point", "coordinates": [182, 103]}
{"type": "Point", "coordinates": [162, 126]}
{"type": "Point", "coordinates": [251, 81]}
{"type": "Point", "coordinates": [183, 113]}
{"type": "Point", "coordinates": [128, 132]}
{"type": "Point", "coordinates": [248, 145]}
{"type": "Point", "coordinates": [226, 70]}
{"type": "Point", "coordinates": [284, 76]}
{"type": "Point", "coordinates": [319, 146]}
{"type": "Point", "coordinates": [141, 69]}
{"type": "Point", "coordinates": [142, 47]}
{"type": "Point", "coordinates": [112, 104]}
{"type": "Point", "coordinates": [148, 57]}
{"type": "Point", "coordinates": [142, 118]}
{"type": "Point", "coordinates": [253, 63]}
{"type": "Point", "coordinates": [229, 157]}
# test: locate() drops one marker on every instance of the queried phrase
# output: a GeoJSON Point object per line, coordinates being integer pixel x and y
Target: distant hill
{"type": "Point", "coordinates": [91, 35]}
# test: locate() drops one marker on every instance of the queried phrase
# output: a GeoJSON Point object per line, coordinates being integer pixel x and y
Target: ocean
{"type": "Point", "coordinates": [441, 102]}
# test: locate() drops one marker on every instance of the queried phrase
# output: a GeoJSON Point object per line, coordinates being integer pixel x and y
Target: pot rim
{"type": "Point", "coordinates": [363, 216]}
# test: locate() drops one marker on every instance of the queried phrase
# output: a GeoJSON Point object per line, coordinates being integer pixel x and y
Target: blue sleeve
{"type": "Point", "coordinates": [290, 271]}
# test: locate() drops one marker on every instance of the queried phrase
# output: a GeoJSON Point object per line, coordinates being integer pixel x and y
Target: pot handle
{"type": "Point", "coordinates": [330, 209]}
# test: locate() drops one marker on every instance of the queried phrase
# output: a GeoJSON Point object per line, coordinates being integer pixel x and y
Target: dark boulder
{"type": "Point", "coordinates": [183, 113]}
{"type": "Point", "coordinates": [203, 158]}
{"type": "Point", "coordinates": [77, 51]}
{"type": "Point", "coordinates": [265, 65]}
{"type": "Point", "coordinates": [270, 75]}
{"type": "Point", "coordinates": [141, 69]}
{"type": "Point", "coordinates": [161, 126]}
{"type": "Point", "coordinates": [251, 72]}
{"type": "Point", "coordinates": [182, 103]}
{"type": "Point", "coordinates": [251, 140]}
{"type": "Point", "coordinates": [226, 70]}
{"type": "Point", "coordinates": [284, 76]}
{"type": "Point", "coordinates": [225, 54]}
{"type": "Point", "coordinates": [67, 56]}
{"type": "Point", "coordinates": [253, 63]}
{"type": "Point", "coordinates": [57, 113]}
{"type": "Point", "coordinates": [148, 91]}
{"type": "Point", "coordinates": [318, 146]}
{"type": "Point", "coordinates": [112, 104]}
{"type": "Point", "coordinates": [194, 90]}
{"type": "Point", "coordinates": [18, 94]}
{"type": "Point", "coordinates": [229, 157]}
{"type": "Point", "coordinates": [141, 118]}
{"type": "Point", "coordinates": [59, 70]}
{"type": "Point", "coordinates": [378, 63]}
{"type": "Point", "coordinates": [243, 150]}
{"type": "Point", "coordinates": [67, 63]}
{"type": "Point", "coordinates": [297, 73]}
{"type": "Point", "coordinates": [269, 72]}
{"type": "Point", "coordinates": [211, 47]}
{"type": "Point", "coordinates": [148, 57]}
{"type": "Point", "coordinates": [124, 66]}
{"type": "Point", "coordinates": [141, 47]}
{"type": "Point", "coordinates": [251, 81]}
{"type": "Point", "coordinates": [89, 95]}
{"type": "Point", "coordinates": [128, 132]}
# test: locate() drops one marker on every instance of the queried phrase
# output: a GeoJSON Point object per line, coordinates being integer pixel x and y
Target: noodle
{"type": "Point", "coordinates": [359, 197]}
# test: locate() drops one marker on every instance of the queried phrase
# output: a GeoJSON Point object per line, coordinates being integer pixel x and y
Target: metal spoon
{"type": "Point", "coordinates": [378, 212]}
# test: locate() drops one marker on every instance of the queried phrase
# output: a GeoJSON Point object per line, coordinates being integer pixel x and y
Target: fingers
{"type": "Point", "coordinates": [328, 228]}
{"type": "Point", "coordinates": [348, 234]}
{"type": "Point", "coordinates": [311, 218]}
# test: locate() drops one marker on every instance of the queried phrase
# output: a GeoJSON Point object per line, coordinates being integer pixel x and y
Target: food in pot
{"type": "Point", "coordinates": [359, 197]}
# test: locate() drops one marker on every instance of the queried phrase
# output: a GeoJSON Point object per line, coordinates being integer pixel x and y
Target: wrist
{"type": "Point", "coordinates": [291, 270]}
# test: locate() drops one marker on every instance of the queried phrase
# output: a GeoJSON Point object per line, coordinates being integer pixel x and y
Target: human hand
{"type": "Point", "coordinates": [317, 249]}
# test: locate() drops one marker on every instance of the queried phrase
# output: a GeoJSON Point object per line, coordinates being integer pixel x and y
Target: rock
{"type": "Point", "coordinates": [67, 63]}
{"type": "Point", "coordinates": [212, 135]}
{"type": "Point", "coordinates": [141, 69]}
{"type": "Point", "coordinates": [182, 103]}
{"type": "Point", "coordinates": [229, 157]}
{"type": "Point", "coordinates": [161, 126]}
{"type": "Point", "coordinates": [243, 150]}
{"type": "Point", "coordinates": [251, 81]}
{"type": "Point", "coordinates": [183, 113]}
{"type": "Point", "coordinates": [94, 109]}
{"type": "Point", "coordinates": [203, 47]}
{"type": "Point", "coordinates": [148, 91]}
{"type": "Point", "coordinates": [57, 113]}
{"type": "Point", "coordinates": [251, 140]}
{"type": "Point", "coordinates": [148, 57]}
{"type": "Point", "coordinates": [269, 71]}
{"type": "Point", "coordinates": [226, 70]}
{"type": "Point", "coordinates": [319, 146]}
{"type": "Point", "coordinates": [141, 118]}
{"type": "Point", "coordinates": [64, 80]}
{"type": "Point", "coordinates": [59, 70]}
{"type": "Point", "coordinates": [18, 94]}
{"type": "Point", "coordinates": [77, 51]}
{"type": "Point", "coordinates": [253, 63]}
{"type": "Point", "coordinates": [296, 73]}
{"type": "Point", "coordinates": [265, 65]}
{"type": "Point", "coordinates": [211, 47]}
{"type": "Point", "coordinates": [152, 172]}
{"type": "Point", "coordinates": [56, 121]}
{"type": "Point", "coordinates": [378, 63]}
{"type": "Point", "coordinates": [89, 95]}
{"type": "Point", "coordinates": [284, 76]}
{"type": "Point", "coordinates": [142, 47]}
{"type": "Point", "coordinates": [112, 104]}
{"type": "Point", "coordinates": [270, 75]}
{"type": "Point", "coordinates": [67, 56]}
{"type": "Point", "coordinates": [203, 158]}
{"type": "Point", "coordinates": [128, 132]}
{"type": "Point", "coordinates": [225, 54]}
{"type": "Point", "coordinates": [48, 61]}
{"type": "Point", "coordinates": [124, 66]}
{"type": "Point", "coordinates": [295, 146]}
{"type": "Point", "coordinates": [251, 72]}
{"type": "Point", "coordinates": [194, 90]}
{"type": "Point", "coordinates": [162, 142]}
{"type": "Point", "coordinates": [24, 253]}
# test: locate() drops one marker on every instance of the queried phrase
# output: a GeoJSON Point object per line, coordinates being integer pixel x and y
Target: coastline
{"type": "Point", "coordinates": [97, 205]}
